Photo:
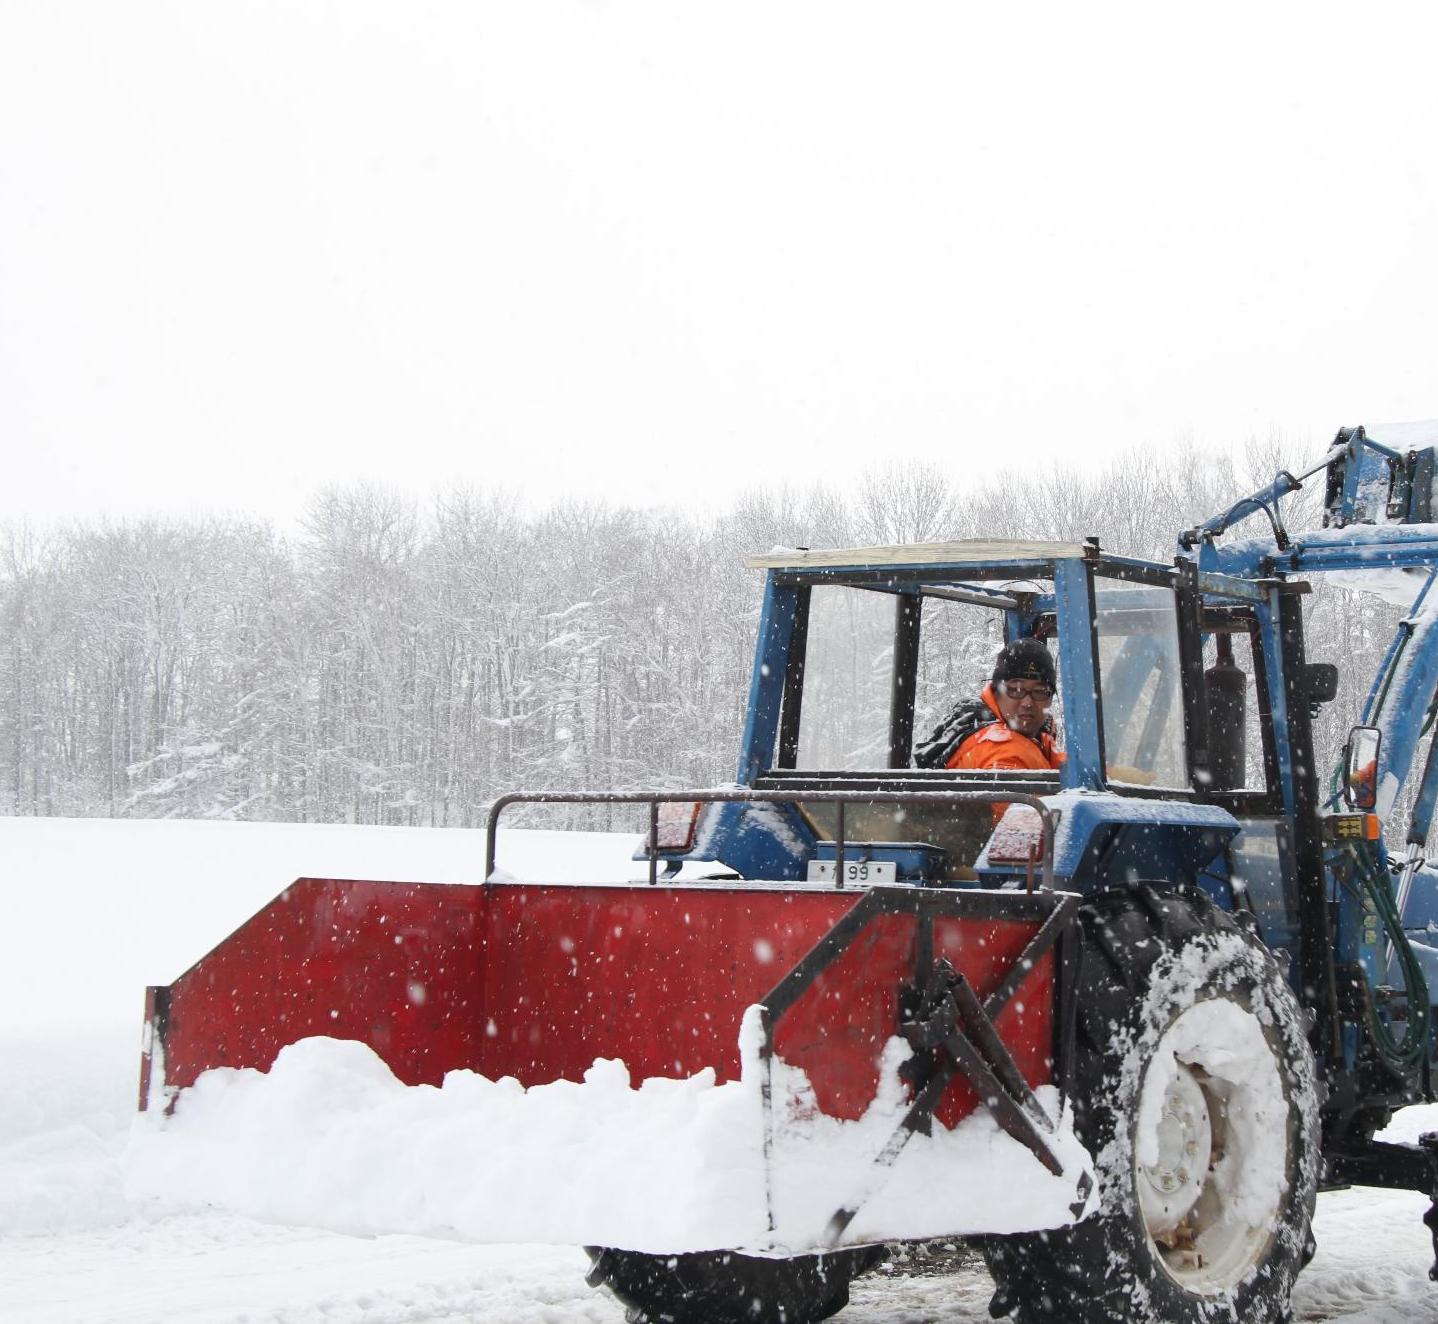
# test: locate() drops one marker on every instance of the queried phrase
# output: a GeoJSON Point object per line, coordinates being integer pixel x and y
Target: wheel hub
{"type": "Point", "coordinates": [1170, 1186]}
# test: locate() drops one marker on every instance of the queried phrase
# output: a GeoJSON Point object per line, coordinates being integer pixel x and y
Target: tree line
{"type": "Point", "coordinates": [393, 663]}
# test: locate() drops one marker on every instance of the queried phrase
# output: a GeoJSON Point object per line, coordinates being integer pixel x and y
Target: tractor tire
{"type": "Point", "coordinates": [725, 1287]}
{"type": "Point", "coordinates": [1193, 1088]}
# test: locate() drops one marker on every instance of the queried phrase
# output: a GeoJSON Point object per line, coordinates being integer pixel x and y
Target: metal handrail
{"type": "Point", "coordinates": [840, 798]}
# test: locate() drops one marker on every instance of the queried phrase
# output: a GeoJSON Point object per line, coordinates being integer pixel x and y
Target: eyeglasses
{"type": "Point", "coordinates": [1018, 693]}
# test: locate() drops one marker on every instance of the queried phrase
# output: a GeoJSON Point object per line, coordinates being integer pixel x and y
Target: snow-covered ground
{"type": "Point", "coordinates": [95, 910]}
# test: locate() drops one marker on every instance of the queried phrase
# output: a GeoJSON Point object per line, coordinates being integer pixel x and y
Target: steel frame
{"type": "Point", "coordinates": [839, 798]}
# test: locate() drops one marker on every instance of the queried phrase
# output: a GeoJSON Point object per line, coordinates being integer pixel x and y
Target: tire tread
{"type": "Point", "coordinates": [1069, 1273]}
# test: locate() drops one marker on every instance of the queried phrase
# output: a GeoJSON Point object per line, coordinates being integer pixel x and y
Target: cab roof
{"type": "Point", "coordinates": [967, 551]}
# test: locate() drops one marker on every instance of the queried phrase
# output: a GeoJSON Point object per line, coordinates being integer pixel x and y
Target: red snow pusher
{"type": "Point", "coordinates": [536, 981]}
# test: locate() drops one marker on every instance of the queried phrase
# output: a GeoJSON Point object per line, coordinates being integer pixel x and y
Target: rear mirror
{"type": "Point", "coordinates": [1360, 771]}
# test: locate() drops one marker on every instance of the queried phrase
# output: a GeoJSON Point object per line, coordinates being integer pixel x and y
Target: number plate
{"type": "Point", "coordinates": [855, 871]}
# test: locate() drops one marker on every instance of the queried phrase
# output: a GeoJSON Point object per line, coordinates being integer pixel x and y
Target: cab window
{"type": "Point", "coordinates": [848, 680]}
{"type": "Point", "coordinates": [1141, 685]}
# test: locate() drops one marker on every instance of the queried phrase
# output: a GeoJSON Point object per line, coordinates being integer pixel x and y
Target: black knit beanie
{"type": "Point", "coordinates": [1025, 659]}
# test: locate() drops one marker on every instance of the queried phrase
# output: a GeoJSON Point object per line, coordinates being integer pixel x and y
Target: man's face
{"type": "Point", "coordinates": [1024, 704]}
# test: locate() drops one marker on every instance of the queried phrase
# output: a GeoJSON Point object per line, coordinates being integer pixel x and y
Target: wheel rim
{"type": "Point", "coordinates": [1170, 1186]}
{"type": "Point", "coordinates": [1211, 1147]}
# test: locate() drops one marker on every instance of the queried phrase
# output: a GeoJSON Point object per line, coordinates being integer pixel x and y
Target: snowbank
{"type": "Point", "coordinates": [329, 1138]}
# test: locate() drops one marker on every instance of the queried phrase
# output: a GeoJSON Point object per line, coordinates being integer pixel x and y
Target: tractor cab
{"type": "Point", "coordinates": [862, 651]}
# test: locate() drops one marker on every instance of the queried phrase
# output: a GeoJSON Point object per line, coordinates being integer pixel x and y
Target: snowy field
{"type": "Point", "coordinates": [93, 911]}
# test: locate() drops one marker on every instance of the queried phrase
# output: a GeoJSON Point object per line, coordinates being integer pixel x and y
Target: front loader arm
{"type": "Point", "coordinates": [1378, 502]}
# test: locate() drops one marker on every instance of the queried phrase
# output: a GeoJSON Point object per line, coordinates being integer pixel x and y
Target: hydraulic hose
{"type": "Point", "coordinates": [1399, 1057]}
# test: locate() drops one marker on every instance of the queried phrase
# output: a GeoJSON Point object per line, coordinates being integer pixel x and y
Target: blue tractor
{"type": "Point", "coordinates": [1250, 1002]}
{"type": "Point", "coordinates": [1192, 930]}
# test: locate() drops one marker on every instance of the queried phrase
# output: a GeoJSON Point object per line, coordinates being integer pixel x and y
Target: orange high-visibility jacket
{"type": "Point", "coordinates": [998, 745]}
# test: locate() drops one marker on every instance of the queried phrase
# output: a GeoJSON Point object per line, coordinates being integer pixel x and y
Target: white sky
{"type": "Point", "coordinates": [662, 251]}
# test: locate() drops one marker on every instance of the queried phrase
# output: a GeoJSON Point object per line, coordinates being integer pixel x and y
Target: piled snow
{"type": "Point", "coordinates": [328, 1138]}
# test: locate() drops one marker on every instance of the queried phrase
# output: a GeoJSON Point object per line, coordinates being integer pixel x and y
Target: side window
{"type": "Point", "coordinates": [1141, 685]}
{"type": "Point", "coordinates": [1235, 729]}
{"type": "Point", "coordinates": [848, 680]}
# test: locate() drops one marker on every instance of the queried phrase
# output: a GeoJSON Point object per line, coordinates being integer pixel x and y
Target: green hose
{"type": "Point", "coordinates": [1405, 1057]}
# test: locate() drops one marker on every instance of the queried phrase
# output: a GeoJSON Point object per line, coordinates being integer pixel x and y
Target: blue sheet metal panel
{"type": "Point", "coordinates": [1342, 511]}
{"type": "Point", "coordinates": [1243, 559]}
{"type": "Point", "coordinates": [1261, 862]}
{"type": "Point", "coordinates": [766, 684]}
{"type": "Point", "coordinates": [769, 841]}
{"type": "Point", "coordinates": [1104, 840]}
{"type": "Point", "coordinates": [1078, 677]}
{"type": "Point", "coordinates": [1272, 647]}
{"type": "Point", "coordinates": [1206, 554]}
{"type": "Point", "coordinates": [1421, 818]}
{"type": "Point", "coordinates": [1420, 919]}
{"type": "Point", "coordinates": [1365, 465]}
{"type": "Point", "coordinates": [1214, 881]}
{"type": "Point", "coordinates": [1356, 933]}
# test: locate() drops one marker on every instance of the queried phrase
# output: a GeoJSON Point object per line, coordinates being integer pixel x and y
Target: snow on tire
{"type": "Point", "coordinates": [1193, 1087]}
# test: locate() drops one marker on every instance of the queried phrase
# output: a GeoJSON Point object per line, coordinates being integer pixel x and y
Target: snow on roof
{"type": "Point", "coordinates": [1405, 436]}
{"type": "Point", "coordinates": [919, 553]}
